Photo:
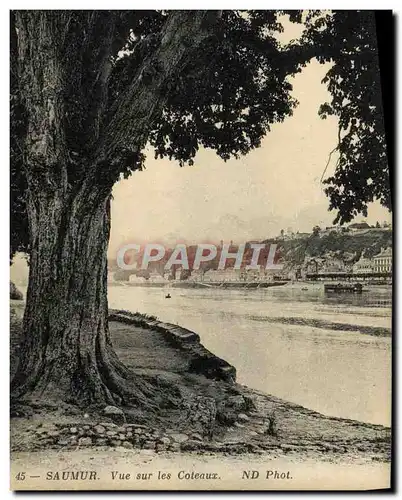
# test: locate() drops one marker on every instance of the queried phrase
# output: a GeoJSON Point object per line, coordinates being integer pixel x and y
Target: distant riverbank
{"type": "Point", "coordinates": [243, 285]}
{"type": "Point", "coordinates": [200, 285]}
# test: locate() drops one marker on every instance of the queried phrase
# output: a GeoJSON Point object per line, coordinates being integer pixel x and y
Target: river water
{"type": "Point", "coordinates": [331, 354]}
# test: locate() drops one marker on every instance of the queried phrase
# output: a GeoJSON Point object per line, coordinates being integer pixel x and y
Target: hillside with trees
{"type": "Point", "coordinates": [346, 246]}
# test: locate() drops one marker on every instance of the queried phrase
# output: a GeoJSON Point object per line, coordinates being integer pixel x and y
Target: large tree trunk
{"type": "Point", "coordinates": [65, 317]}
{"type": "Point", "coordinates": [66, 353]}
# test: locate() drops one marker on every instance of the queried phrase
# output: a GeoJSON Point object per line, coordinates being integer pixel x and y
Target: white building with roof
{"type": "Point", "coordinates": [363, 266]}
{"type": "Point", "coordinates": [222, 275]}
{"type": "Point", "coordinates": [383, 261]}
{"type": "Point", "coordinates": [133, 278]}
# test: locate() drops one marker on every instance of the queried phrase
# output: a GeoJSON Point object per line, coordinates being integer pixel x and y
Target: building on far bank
{"type": "Point", "coordinates": [358, 226]}
{"type": "Point", "coordinates": [301, 236]}
{"type": "Point", "coordinates": [156, 277]}
{"type": "Point", "coordinates": [331, 229]}
{"type": "Point", "coordinates": [294, 274]}
{"type": "Point", "coordinates": [333, 265]}
{"type": "Point", "coordinates": [383, 261]}
{"type": "Point", "coordinates": [363, 266]}
{"type": "Point", "coordinates": [222, 275]}
{"type": "Point", "coordinates": [231, 275]}
{"type": "Point", "coordinates": [136, 279]}
{"type": "Point", "coordinates": [197, 275]}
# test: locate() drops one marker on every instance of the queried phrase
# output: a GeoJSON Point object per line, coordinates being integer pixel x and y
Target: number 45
{"type": "Point", "coordinates": [20, 476]}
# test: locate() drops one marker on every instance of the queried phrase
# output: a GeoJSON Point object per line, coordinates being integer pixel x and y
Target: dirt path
{"type": "Point", "coordinates": [139, 349]}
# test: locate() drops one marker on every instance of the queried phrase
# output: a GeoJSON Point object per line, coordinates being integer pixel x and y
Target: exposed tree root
{"type": "Point", "coordinates": [106, 382]}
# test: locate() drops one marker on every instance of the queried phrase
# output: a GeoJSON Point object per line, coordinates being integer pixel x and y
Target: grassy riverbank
{"type": "Point", "coordinates": [265, 425]}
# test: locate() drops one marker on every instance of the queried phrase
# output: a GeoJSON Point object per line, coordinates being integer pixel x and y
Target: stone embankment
{"type": "Point", "coordinates": [129, 436]}
{"type": "Point", "coordinates": [110, 434]}
{"type": "Point", "coordinates": [300, 433]}
{"type": "Point", "coordinates": [202, 362]}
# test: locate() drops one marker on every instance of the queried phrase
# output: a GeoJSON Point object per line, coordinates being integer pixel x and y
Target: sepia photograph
{"type": "Point", "coordinates": [201, 250]}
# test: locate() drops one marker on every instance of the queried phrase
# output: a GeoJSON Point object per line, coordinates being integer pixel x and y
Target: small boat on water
{"type": "Point", "coordinates": [343, 288]}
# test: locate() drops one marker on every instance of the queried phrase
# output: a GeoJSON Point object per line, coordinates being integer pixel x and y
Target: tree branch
{"type": "Point", "coordinates": [139, 106]}
{"type": "Point", "coordinates": [329, 159]}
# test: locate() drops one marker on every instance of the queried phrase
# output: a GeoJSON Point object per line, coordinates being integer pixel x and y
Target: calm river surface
{"type": "Point", "coordinates": [330, 354]}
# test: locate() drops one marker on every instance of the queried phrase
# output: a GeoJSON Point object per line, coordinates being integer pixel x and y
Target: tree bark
{"type": "Point", "coordinates": [67, 353]}
{"type": "Point", "coordinates": [65, 320]}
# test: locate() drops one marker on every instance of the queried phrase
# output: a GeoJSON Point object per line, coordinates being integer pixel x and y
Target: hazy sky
{"type": "Point", "coordinates": [274, 187]}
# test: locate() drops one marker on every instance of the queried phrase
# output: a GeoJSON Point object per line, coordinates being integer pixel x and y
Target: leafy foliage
{"type": "Point", "coordinates": [226, 96]}
{"type": "Point", "coordinates": [227, 99]}
{"type": "Point", "coordinates": [347, 39]}
{"type": "Point", "coordinates": [229, 93]}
